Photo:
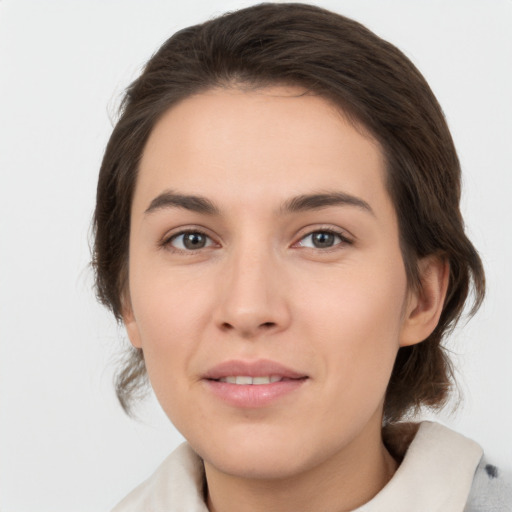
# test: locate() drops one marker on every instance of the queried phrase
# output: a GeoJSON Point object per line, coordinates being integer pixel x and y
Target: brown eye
{"type": "Point", "coordinates": [190, 241]}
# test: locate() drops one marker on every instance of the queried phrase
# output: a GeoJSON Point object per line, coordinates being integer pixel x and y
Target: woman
{"type": "Point", "coordinates": [278, 227]}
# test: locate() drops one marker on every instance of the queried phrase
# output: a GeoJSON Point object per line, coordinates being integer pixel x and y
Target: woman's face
{"type": "Point", "coordinates": [267, 287]}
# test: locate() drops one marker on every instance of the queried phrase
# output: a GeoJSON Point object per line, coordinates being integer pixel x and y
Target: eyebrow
{"type": "Point", "coordinates": [169, 199]}
{"type": "Point", "coordinates": [304, 202]}
{"type": "Point", "coordinates": [324, 200]}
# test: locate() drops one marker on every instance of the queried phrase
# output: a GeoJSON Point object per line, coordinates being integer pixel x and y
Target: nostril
{"type": "Point", "coordinates": [247, 329]}
{"type": "Point", "coordinates": [226, 326]}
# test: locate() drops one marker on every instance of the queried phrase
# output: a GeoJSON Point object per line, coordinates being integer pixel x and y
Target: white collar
{"type": "Point", "coordinates": [435, 476]}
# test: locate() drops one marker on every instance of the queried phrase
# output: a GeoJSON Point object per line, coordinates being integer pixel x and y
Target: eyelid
{"type": "Point", "coordinates": [166, 240]}
{"type": "Point", "coordinates": [345, 238]}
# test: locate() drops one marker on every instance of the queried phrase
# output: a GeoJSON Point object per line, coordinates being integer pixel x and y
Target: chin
{"type": "Point", "coordinates": [264, 465]}
{"type": "Point", "coordinates": [258, 456]}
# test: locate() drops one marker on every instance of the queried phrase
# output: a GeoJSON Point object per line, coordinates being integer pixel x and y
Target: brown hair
{"type": "Point", "coordinates": [372, 83]}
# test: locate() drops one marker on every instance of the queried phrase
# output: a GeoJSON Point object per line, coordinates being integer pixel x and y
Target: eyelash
{"type": "Point", "coordinates": [343, 240]}
{"type": "Point", "coordinates": [167, 242]}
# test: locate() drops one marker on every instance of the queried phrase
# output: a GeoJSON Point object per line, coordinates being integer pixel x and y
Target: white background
{"type": "Point", "coordinates": [65, 444]}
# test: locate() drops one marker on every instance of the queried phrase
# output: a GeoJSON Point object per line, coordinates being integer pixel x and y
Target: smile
{"type": "Point", "coordinates": [262, 371]}
{"type": "Point", "coordinates": [246, 380]}
{"type": "Point", "coordinates": [252, 384]}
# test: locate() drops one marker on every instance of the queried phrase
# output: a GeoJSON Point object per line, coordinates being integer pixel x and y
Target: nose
{"type": "Point", "coordinates": [253, 294]}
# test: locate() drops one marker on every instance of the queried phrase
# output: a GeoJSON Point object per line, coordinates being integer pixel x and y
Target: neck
{"type": "Point", "coordinates": [345, 481]}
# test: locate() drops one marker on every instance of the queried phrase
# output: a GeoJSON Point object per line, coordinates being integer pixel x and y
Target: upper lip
{"type": "Point", "coordinates": [259, 368]}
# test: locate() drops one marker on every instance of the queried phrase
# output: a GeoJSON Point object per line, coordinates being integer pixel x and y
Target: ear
{"type": "Point", "coordinates": [130, 322]}
{"type": "Point", "coordinates": [425, 305]}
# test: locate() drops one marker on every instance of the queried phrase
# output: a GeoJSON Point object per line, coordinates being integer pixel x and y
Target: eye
{"type": "Point", "coordinates": [189, 241]}
{"type": "Point", "coordinates": [323, 239]}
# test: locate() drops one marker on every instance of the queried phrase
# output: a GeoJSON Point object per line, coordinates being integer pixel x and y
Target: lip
{"type": "Point", "coordinates": [251, 369]}
{"type": "Point", "coordinates": [252, 396]}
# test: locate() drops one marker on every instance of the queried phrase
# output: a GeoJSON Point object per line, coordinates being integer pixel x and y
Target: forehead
{"type": "Point", "coordinates": [259, 145]}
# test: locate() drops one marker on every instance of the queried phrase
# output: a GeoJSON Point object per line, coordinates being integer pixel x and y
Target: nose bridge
{"type": "Point", "coordinates": [253, 299]}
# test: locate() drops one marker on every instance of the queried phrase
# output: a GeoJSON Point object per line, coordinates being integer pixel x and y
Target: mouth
{"type": "Point", "coordinates": [261, 371]}
{"type": "Point", "coordinates": [254, 384]}
{"type": "Point", "coordinates": [244, 380]}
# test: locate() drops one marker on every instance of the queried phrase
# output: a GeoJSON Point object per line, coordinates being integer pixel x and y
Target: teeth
{"type": "Point", "coordinates": [245, 380]}
{"type": "Point", "coordinates": [261, 380]}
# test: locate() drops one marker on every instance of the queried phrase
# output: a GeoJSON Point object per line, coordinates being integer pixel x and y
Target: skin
{"type": "Point", "coordinates": [261, 289]}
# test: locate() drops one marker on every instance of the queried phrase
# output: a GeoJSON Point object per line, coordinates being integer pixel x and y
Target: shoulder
{"type": "Point", "coordinates": [488, 488]}
{"type": "Point", "coordinates": [491, 490]}
{"type": "Point", "coordinates": [442, 470]}
{"type": "Point", "coordinates": [176, 485]}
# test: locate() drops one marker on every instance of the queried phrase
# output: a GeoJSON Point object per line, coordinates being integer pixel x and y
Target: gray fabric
{"type": "Point", "coordinates": [491, 490]}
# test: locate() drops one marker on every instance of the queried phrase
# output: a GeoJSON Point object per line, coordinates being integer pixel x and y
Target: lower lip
{"type": "Point", "coordinates": [253, 395]}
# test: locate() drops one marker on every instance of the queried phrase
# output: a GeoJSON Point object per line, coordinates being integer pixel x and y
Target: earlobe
{"type": "Point", "coordinates": [425, 305]}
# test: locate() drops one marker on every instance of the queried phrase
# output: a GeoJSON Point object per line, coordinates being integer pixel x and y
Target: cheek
{"type": "Point", "coordinates": [168, 331]}
{"type": "Point", "coordinates": [356, 326]}
{"type": "Point", "coordinates": [168, 302]}
{"type": "Point", "coordinates": [170, 313]}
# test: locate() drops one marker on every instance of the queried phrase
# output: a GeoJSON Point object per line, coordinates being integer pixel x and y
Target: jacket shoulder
{"type": "Point", "coordinates": [491, 490]}
{"type": "Point", "coordinates": [176, 485]}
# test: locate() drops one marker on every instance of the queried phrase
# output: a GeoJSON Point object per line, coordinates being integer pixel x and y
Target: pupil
{"type": "Point", "coordinates": [194, 241]}
{"type": "Point", "coordinates": [323, 239]}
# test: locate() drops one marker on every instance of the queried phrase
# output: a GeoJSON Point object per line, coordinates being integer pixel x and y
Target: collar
{"type": "Point", "coordinates": [435, 476]}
